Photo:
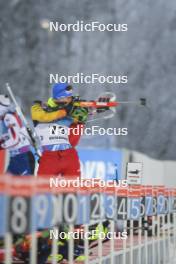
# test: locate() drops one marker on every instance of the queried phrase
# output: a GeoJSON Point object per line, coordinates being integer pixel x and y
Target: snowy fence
{"type": "Point", "coordinates": [129, 224]}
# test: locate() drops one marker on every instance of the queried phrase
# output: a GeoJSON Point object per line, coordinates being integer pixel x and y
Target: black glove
{"type": "Point", "coordinates": [103, 100]}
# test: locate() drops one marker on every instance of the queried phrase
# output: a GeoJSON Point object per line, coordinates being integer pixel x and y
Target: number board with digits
{"type": "Point", "coordinates": [28, 204]}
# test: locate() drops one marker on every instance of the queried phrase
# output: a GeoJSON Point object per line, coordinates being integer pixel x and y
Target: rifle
{"type": "Point", "coordinates": [30, 131]}
{"type": "Point", "coordinates": [97, 104]}
{"type": "Point", "coordinates": [107, 101]}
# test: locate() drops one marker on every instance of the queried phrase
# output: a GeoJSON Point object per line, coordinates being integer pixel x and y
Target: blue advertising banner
{"type": "Point", "coordinates": [101, 163]}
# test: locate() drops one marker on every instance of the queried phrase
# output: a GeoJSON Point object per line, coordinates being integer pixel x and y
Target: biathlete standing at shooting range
{"type": "Point", "coordinates": [59, 155]}
{"type": "Point", "coordinates": [14, 138]}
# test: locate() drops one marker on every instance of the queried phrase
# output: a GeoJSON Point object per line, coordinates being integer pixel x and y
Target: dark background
{"type": "Point", "coordinates": [146, 53]}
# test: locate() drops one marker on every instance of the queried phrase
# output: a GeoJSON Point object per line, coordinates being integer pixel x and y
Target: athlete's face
{"type": "Point", "coordinates": [64, 100]}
